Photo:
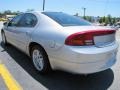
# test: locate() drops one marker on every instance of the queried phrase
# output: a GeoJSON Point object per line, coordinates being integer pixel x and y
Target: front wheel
{"type": "Point", "coordinates": [40, 59]}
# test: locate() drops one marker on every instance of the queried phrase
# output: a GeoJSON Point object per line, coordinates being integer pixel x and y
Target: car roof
{"type": "Point", "coordinates": [42, 12]}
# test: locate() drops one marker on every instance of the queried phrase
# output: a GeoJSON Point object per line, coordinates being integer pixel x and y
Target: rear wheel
{"type": "Point", "coordinates": [40, 59]}
{"type": "Point", "coordinates": [3, 38]}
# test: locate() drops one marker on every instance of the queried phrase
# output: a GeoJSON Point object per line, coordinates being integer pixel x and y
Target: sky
{"type": "Point", "coordinates": [93, 7]}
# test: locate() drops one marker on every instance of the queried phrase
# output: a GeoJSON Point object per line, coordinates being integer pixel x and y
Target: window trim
{"type": "Point", "coordinates": [29, 26]}
{"type": "Point", "coordinates": [13, 19]}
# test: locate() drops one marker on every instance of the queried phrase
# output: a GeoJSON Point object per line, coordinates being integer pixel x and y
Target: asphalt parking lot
{"type": "Point", "coordinates": [22, 71]}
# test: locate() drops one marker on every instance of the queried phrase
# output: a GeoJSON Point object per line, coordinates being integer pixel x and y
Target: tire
{"type": "Point", "coordinates": [40, 59]}
{"type": "Point", "coordinates": [4, 38]}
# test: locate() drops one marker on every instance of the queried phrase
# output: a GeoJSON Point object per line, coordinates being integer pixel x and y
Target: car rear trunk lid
{"type": "Point", "coordinates": [101, 36]}
{"type": "Point", "coordinates": [104, 40]}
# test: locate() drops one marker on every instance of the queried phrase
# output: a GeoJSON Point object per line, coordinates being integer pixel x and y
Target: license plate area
{"type": "Point", "coordinates": [104, 40]}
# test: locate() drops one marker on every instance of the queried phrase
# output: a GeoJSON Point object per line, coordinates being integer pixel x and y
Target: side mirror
{"type": "Point", "coordinates": [5, 23]}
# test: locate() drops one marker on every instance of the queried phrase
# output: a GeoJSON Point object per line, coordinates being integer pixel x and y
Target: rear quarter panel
{"type": "Point", "coordinates": [49, 35]}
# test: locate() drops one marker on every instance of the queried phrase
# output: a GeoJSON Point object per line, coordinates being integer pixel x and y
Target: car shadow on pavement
{"type": "Point", "coordinates": [59, 80]}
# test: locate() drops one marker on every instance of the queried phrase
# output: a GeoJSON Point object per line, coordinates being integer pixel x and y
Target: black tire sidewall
{"type": "Point", "coordinates": [5, 43]}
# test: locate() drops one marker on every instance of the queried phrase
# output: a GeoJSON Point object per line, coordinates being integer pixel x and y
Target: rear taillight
{"type": "Point", "coordinates": [86, 38]}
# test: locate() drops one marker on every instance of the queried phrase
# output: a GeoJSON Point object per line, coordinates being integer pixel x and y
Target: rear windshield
{"type": "Point", "coordinates": [66, 20]}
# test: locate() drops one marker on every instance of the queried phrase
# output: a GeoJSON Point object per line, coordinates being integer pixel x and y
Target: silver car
{"type": "Point", "coordinates": [55, 40]}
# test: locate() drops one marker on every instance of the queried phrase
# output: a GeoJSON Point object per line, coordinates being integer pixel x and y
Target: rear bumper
{"type": "Point", "coordinates": [86, 68]}
{"type": "Point", "coordinates": [85, 60]}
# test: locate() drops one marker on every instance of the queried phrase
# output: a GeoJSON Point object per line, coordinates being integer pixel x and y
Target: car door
{"type": "Point", "coordinates": [10, 29]}
{"type": "Point", "coordinates": [24, 29]}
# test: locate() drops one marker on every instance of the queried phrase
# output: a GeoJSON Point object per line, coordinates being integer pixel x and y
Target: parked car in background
{"type": "Point", "coordinates": [118, 26]}
{"type": "Point", "coordinates": [55, 40]}
{"type": "Point", "coordinates": [3, 19]}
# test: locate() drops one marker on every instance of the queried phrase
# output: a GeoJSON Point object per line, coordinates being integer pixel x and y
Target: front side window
{"type": "Point", "coordinates": [15, 20]}
{"type": "Point", "coordinates": [29, 20]}
{"type": "Point", "coordinates": [66, 20]}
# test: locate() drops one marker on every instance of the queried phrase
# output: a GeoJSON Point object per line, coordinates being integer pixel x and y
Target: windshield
{"type": "Point", "coordinates": [66, 20]}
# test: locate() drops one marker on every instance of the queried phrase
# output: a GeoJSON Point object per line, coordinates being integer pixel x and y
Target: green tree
{"type": "Point", "coordinates": [106, 20]}
{"type": "Point", "coordinates": [88, 18]}
{"type": "Point", "coordinates": [114, 20]}
{"type": "Point", "coordinates": [76, 14]}
{"type": "Point", "coordinates": [109, 19]}
{"type": "Point", "coordinates": [28, 10]}
{"type": "Point", "coordinates": [7, 12]}
{"type": "Point", "coordinates": [101, 20]}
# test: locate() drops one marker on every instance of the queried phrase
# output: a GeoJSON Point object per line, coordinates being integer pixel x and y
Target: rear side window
{"type": "Point", "coordinates": [15, 20]}
{"type": "Point", "coordinates": [66, 20]}
{"type": "Point", "coordinates": [28, 20]}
